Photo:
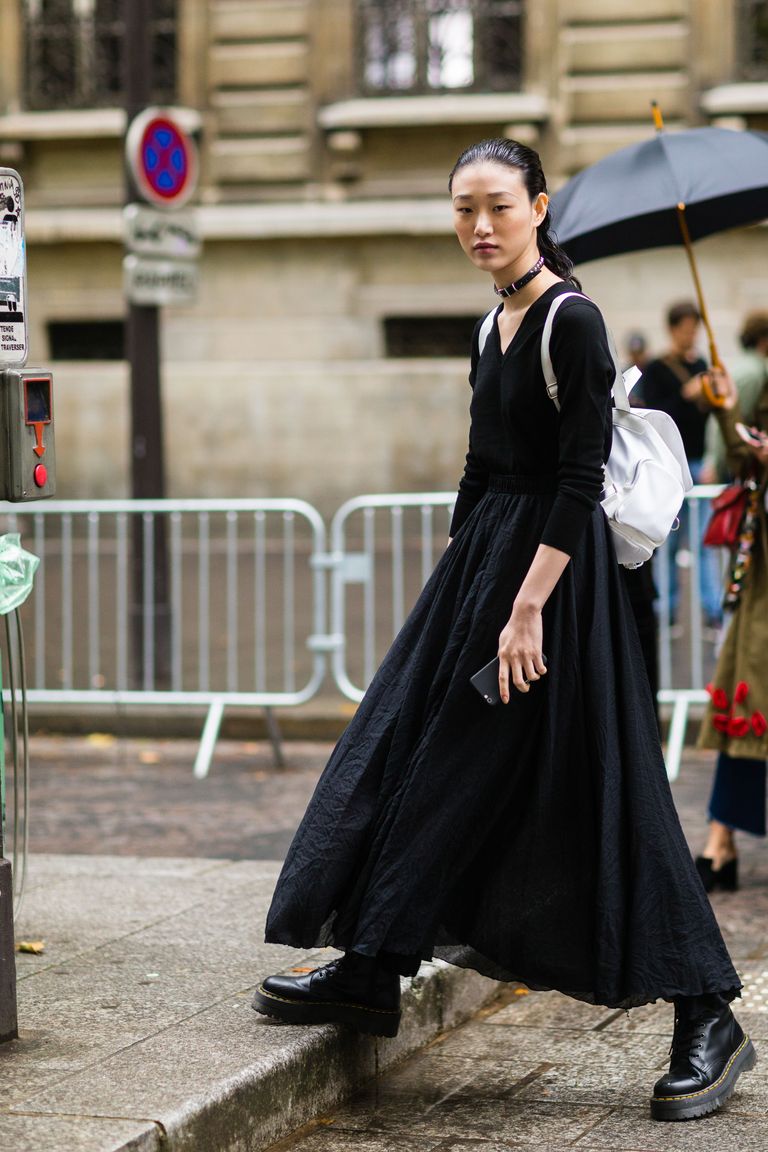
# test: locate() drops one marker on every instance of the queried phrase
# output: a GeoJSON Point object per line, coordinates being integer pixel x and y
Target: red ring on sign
{"type": "Point", "coordinates": [163, 159]}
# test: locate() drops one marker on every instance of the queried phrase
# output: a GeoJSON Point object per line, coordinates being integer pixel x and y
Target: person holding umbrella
{"type": "Point", "coordinates": [735, 723]}
{"type": "Point", "coordinates": [750, 376]}
{"type": "Point", "coordinates": [535, 840]}
{"type": "Point", "coordinates": [672, 383]}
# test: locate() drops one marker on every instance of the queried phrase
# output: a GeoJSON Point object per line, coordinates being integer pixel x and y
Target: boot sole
{"type": "Point", "coordinates": [372, 1021]}
{"type": "Point", "coordinates": [695, 1104]}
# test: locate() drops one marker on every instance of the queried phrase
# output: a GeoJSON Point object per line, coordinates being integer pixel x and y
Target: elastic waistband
{"type": "Point", "coordinates": [522, 485]}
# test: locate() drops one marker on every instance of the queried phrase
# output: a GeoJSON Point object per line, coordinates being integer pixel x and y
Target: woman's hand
{"type": "Point", "coordinates": [520, 656]}
{"type": "Point", "coordinates": [760, 452]}
{"type": "Point", "coordinates": [717, 388]}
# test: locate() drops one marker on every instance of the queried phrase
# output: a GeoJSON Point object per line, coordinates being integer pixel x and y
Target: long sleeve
{"type": "Point", "coordinates": [474, 483]}
{"type": "Point", "coordinates": [738, 456]}
{"type": "Point", "coordinates": [750, 378]}
{"type": "Point", "coordinates": [585, 374]}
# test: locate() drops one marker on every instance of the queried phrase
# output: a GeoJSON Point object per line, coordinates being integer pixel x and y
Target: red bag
{"type": "Point", "coordinates": [727, 514]}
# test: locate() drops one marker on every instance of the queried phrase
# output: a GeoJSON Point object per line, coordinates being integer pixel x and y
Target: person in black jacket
{"type": "Point", "coordinates": [672, 383]}
{"type": "Point", "coordinates": [536, 840]}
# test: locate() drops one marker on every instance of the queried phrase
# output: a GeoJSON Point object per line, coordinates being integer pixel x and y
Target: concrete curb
{"type": "Point", "coordinates": [318, 1069]}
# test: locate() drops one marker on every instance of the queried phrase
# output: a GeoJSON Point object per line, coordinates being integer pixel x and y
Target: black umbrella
{"type": "Point", "coordinates": [628, 201]}
{"type": "Point", "coordinates": [673, 188]}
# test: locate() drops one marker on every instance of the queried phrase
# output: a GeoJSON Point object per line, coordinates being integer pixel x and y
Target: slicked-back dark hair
{"type": "Point", "coordinates": [513, 154]}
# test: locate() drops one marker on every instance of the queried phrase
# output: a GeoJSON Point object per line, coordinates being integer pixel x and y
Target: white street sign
{"type": "Point", "coordinates": [152, 232]}
{"type": "Point", "coordinates": [13, 272]}
{"type": "Point", "coordinates": [158, 282]}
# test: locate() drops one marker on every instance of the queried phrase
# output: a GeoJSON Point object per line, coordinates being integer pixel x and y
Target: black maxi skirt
{"type": "Point", "coordinates": [536, 841]}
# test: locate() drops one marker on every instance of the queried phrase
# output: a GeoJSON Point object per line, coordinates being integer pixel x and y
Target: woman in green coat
{"type": "Point", "coordinates": [736, 720]}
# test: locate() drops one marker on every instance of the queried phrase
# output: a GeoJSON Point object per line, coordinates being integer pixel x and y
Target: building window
{"type": "Point", "coordinates": [86, 339]}
{"type": "Point", "coordinates": [753, 39]}
{"type": "Point", "coordinates": [440, 45]}
{"type": "Point", "coordinates": [74, 52]}
{"type": "Point", "coordinates": [410, 336]}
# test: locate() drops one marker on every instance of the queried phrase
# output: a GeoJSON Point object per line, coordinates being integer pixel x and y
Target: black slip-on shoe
{"type": "Point", "coordinates": [726, 877]}
{"type": "Point", "coordinates": [708, 1054]}
{"type": "Point", "coordinates": [352, 990]}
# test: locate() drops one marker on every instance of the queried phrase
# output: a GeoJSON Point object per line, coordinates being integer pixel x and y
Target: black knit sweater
{"type": "Point", "coordinates": [515, 428]}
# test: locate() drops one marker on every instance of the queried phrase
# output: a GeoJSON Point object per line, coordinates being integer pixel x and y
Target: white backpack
{"type": "Point", "coordinates": [647, 475]}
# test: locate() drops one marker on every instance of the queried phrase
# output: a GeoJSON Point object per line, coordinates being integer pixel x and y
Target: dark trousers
{"type": "Point", "coordinates": [738, 794]}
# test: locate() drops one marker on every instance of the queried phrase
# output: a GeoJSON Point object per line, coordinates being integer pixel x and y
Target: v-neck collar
{"type": "Point", "coordinates": [504, 353]}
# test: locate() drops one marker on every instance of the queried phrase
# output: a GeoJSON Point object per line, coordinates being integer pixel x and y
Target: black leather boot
{"type": "Point", "coordinates": [708, 1054]}
{"type": "Point", "coordinates": [354, 990]}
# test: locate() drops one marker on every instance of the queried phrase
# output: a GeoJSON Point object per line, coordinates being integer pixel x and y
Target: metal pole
{"type": "Point", "coordinates": [9, 1028]}
{"type": "Point", "coordinates": [143, 355]}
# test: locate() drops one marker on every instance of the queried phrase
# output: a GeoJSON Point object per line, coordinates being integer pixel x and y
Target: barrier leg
{"type": "Point", "coordinates": [208, 739]}
{"type": "Point", "coordinates": [9, 1028]}
{"type": "Point", "coordinates": [8, 1018]}
{"type": "Point", "coordinates": [275, 737]}
{"type": "Point", "coordinates": [676, 738]}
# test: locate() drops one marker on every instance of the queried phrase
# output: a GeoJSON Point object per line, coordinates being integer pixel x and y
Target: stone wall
{"type": "Point", "coordinates": [324, 212]}
{"type": "Point", "coordinates": [286, 392]}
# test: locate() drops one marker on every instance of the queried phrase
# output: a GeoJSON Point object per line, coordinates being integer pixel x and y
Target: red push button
{"type": "Point", "coordinates": [40, 475]}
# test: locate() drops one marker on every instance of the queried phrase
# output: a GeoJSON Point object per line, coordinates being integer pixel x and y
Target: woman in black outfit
{"type": "Point", "coordinates": [536, 840]}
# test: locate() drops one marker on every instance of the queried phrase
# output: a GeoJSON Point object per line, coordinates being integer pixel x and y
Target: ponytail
{"type": "Point", "coordinates": [555, 258]}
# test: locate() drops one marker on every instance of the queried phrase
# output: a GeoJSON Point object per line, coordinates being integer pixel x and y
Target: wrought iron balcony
{"type": "Point", "coordinates": [420, 46]}
{"type": "Point", "coordinates": [752, 40]}
{"type": "Point", "coordinates": [74, 53]}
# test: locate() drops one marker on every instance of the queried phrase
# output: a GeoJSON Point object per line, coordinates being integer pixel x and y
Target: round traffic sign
{"type": "Point", "coordinates": [163, 158]}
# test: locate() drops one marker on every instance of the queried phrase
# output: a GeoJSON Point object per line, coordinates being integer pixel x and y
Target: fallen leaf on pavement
{"type": "Point", "coordinates": [36, 947]}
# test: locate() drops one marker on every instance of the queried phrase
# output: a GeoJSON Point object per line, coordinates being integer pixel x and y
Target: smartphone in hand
{"type": "Point", "coordinates": [486, 681]}
{"type": "Point", "coordinates": [751, 436]}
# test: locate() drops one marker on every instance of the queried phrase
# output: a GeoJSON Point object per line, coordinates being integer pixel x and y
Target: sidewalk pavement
{"type": "Point", "coordinates": [137, 1032]}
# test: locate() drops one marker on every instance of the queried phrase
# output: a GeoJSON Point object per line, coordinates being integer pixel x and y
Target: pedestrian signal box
{"type": "Point", "coordinates": [27, 454]}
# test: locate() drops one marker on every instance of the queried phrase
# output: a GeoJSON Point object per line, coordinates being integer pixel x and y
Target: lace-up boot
{"type": "Point", "coordinates": [709, 1052]}
{"type": "Point", "coordinates": [354, 990]}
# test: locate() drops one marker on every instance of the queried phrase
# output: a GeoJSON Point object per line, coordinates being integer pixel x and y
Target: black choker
{"type": "Point", "coordinates": [521, 283]}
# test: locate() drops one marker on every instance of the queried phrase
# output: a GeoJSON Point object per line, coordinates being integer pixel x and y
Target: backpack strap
{"type": "Point", "coordinates": [546, 359]}
{"type": "Point", "coordinates": [485, 329]}
{"type": "Point", "coordinates": [622, 384]}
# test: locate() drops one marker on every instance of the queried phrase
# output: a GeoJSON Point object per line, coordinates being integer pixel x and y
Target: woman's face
{"type": "Point", "coordinates": [494, 218]}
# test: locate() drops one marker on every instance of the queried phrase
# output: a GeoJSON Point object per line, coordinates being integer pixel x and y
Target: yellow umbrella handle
{"type": "Point", "coordinates": [707, 384]}
{"type": "Point", "coordinates": [715, 398]}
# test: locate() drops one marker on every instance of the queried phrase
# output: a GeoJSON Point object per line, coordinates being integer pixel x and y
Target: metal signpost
{"type": "Point", "coordinates": [13, 353]}
{"type": "Point", "coordinates": [27, 472]}
{"type": "Point", "coordinates": [162, 241]}
{"type": "Point", "coordinates": [159, 269]}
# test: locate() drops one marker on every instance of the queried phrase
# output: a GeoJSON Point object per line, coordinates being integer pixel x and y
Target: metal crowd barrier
{"type": "Point", "coordinates": [246, 605]}
{"type": "Point", "coordinates": [687, 650]}
{"type": "Point", "coordinates": [386, 547]}
{"type": "Point", "coordinates": [247, 611]}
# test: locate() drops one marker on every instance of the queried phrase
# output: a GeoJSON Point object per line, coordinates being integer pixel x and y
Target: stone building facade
{"type": "Point", "coordinates": [326, 353]}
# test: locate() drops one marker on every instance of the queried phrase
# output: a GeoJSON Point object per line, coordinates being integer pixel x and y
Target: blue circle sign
{"type": "Point", "coordinates": [163, 158]}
